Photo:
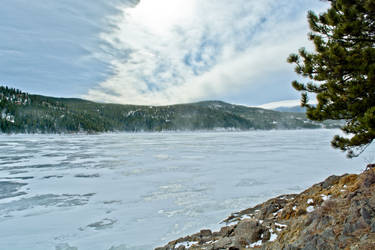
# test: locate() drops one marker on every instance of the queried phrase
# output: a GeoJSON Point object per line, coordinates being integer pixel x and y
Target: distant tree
{"type": "Point", "coordinates": [342, 71]}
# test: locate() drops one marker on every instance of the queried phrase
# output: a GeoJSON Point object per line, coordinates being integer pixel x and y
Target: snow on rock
{"type": "Point", "coordinates": [310, 209]}
{"type": "Point", "coordinates": [247, 216]}
{"type": "Point", "coordinates": [256, 244]}
{"type": "Point", "coordinates": [280, 225]}
{"type": "Point", "coordinates": [325, 197]}
{"type": "Point", "coordinates": [273, 237]}
{"type": "Point", "coordinates": [277, 212]}
{"type": "Point", "coordinates": [186, 244]}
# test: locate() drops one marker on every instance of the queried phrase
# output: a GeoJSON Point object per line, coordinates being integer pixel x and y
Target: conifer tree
{"type": "Point", "coordinates": [341, 71]}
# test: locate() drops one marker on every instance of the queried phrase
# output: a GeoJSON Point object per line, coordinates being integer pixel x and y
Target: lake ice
{"type": "Point", "coordinates": [141, 190]}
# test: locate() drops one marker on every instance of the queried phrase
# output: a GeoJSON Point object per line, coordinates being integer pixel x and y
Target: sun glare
{"type": "Point", "coordinates": [161, 15]}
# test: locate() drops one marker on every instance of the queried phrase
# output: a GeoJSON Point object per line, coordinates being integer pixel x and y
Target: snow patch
{"type": "Point", "coordinates": [247, 216]}
{"type": "Point", "coordinates": [256, 244]}
{"type": "Point", "coordinates": [278, 211]}
{"type": "Point", "coordinates": [273, 237]}
{"type": "Point", "coordinates": [185, 244]}
{"type": "Point", "coordinates": [325, 197]}
{"type": "Point", "coordinates": [281, 225]}
{"type": "Point", "coordinates": [310, 209]}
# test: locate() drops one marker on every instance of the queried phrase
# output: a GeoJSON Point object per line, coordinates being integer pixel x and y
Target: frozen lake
{"type": "Point", "coordinates": [139, 191]}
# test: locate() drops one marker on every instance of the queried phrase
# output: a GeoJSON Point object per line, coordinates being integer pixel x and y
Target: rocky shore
{"type": "Point", "coordinates": [338, 213]}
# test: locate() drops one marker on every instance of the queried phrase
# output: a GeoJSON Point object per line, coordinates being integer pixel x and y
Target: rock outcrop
{"type": "Point", "coordinates": [338, 213]}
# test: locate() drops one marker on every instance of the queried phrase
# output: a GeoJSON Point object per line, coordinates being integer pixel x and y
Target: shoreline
{"type": "Point", "coordinates": [338, 212]}
{"type": "Point", "coordinates": [171, 131]}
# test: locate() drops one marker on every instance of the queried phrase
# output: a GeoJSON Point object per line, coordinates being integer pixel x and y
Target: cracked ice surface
{"type": "Point", "coordinates": [139, 191]}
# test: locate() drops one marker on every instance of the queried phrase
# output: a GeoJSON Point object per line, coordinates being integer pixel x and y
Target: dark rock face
{"type": "Point", "coordinates": [338, 213]}
{"type": "Point", "coordinates": [367, 212]}
{"type": "Point", "coordinates": [330, 181]}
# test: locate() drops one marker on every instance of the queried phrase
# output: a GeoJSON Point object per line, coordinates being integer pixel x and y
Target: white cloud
{"type": "Point", "coordinates": [188, 50]}
{"type": "Point", "coordinates": [285, 103]}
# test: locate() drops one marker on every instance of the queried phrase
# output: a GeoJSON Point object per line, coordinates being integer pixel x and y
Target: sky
{"type": "Point", "coordinates": [155, 52]}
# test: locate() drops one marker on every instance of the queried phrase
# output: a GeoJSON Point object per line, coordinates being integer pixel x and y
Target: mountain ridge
{"type": "Point", "coordinates": [27, 113]}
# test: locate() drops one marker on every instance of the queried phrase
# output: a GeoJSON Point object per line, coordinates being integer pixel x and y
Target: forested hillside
{"type": "Point", "coordinates": [26, 113]}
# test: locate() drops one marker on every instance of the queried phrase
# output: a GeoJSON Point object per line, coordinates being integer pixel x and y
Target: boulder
{"type": "Point", "coordinates": [226, 231]}
{"type": "Point", "coordinates": [205, 235]}
{"type": "Point", "coordinates": [223, 243]}
{"type": "Point", "coordinates": [247, 232]}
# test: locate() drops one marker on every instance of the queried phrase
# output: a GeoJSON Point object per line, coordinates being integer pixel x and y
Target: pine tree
{"type": "Point", "coordinates": [341, 71]}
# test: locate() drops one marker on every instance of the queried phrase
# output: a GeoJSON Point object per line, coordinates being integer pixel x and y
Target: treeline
{"type": "Point", "coordinates": [26, 113]}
